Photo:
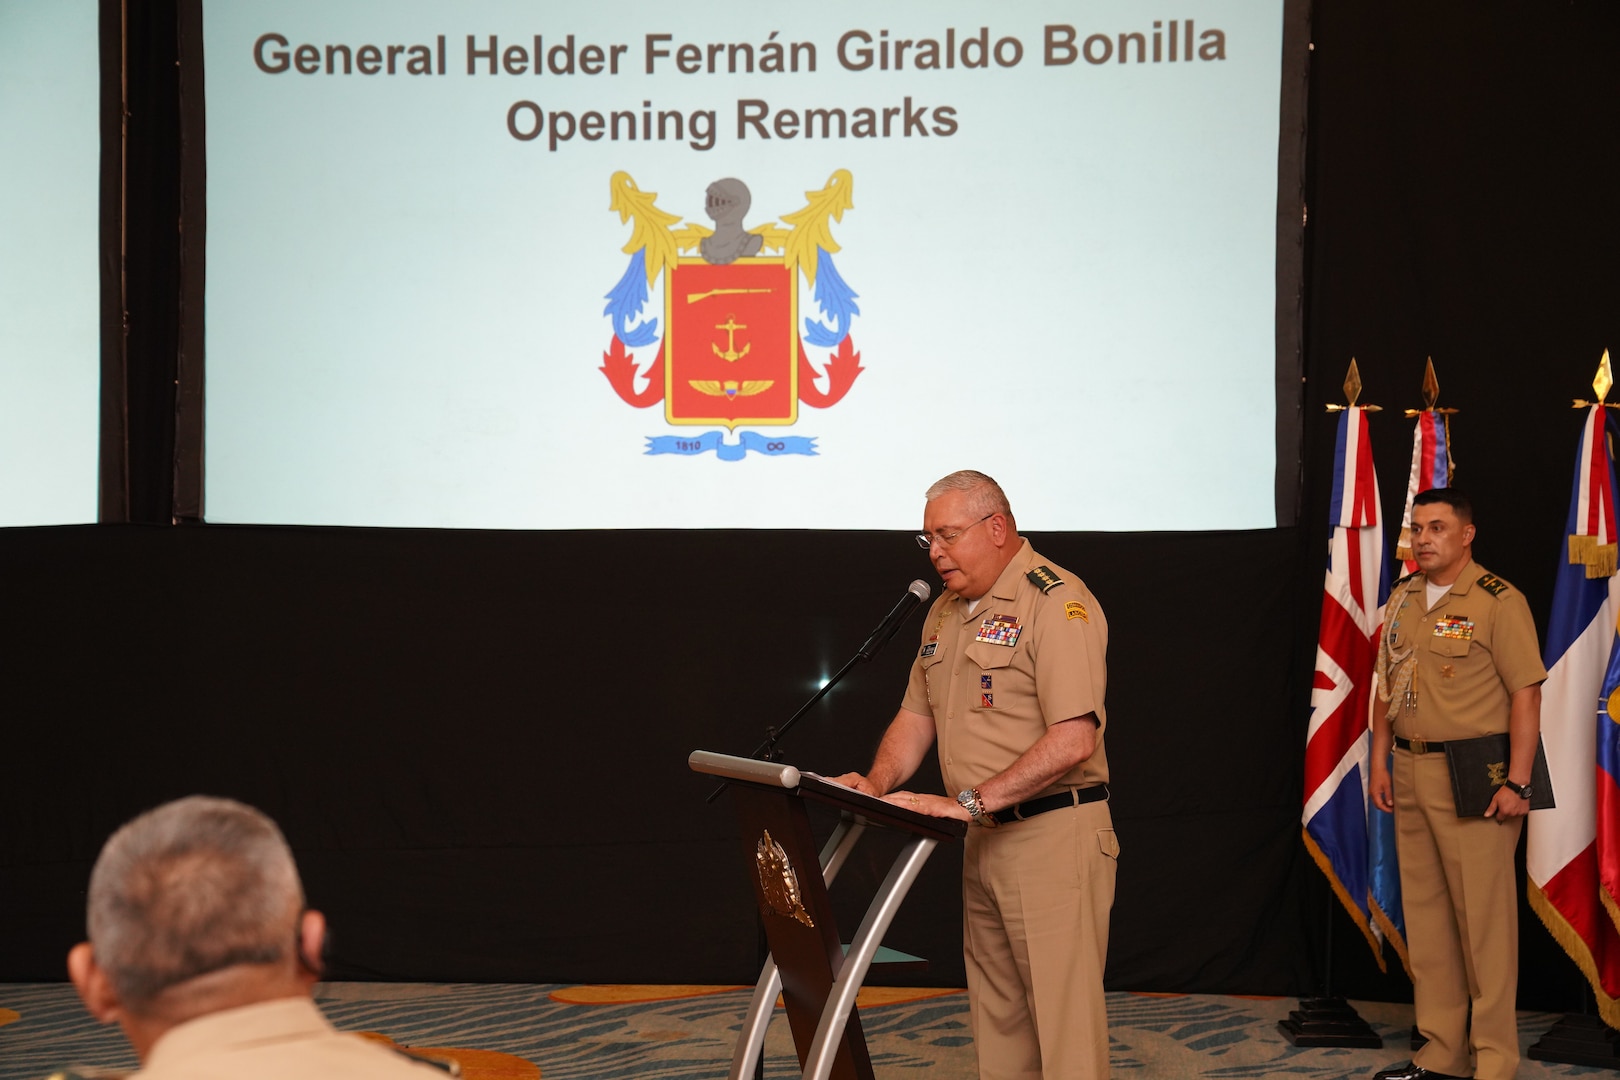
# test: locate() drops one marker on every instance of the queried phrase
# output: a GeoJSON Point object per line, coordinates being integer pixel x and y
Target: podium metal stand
{"type": "Point", "coordinates": [808, 966]}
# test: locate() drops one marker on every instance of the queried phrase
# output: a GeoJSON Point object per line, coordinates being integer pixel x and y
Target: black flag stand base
{"type": "Point", "coordinates": [1328, 1020]}
{"type": "Point", "coordinates": [1579, 1040]}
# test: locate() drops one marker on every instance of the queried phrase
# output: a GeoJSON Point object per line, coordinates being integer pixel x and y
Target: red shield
{"type": "Point", "coordinates": [729, 343]}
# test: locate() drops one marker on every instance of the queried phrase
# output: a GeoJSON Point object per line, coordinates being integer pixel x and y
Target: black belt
{"type": "Point", "coordinates": [1420, 746]}
{"type": "Point", "coordinates": [1072, 797]}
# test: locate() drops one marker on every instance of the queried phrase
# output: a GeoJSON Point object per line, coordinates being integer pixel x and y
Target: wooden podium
{"type": "Point", "coordinates": [808, 965]}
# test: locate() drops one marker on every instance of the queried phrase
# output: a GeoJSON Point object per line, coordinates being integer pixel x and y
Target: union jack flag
{"type": "Point", "coordinates": [1336, 746]}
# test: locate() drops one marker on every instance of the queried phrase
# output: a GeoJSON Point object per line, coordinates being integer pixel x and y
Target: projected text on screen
{"type": "Point", "coordinates": [637, 266]}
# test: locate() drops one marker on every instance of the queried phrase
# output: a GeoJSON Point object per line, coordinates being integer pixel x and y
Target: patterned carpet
{"type": "Point", "coordinates": [687, 1032]}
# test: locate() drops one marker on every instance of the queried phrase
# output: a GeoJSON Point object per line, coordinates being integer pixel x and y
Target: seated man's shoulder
{"type": "Point", "coordinates": [373, 1055]}
{"type": "Point", "coordinates": [350, 1055]}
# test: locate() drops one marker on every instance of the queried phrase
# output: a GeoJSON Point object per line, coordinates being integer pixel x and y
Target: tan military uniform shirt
{"type": "Point", "coordinates": [275, 1040]}
{"type": "Point", "coordinates": [1031, 654]}
{"type": "Point", "coordinates": [1471, 650]}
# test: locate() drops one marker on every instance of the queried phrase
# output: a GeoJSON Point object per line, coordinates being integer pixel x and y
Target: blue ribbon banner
{"type": "Point", "coordinates": [770, 446]}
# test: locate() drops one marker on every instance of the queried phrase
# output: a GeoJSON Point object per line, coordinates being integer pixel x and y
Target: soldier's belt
{"type": "Point", "coordinates": [1420, 746]}
{"type": "Point", "coordinates": [1072, 797]}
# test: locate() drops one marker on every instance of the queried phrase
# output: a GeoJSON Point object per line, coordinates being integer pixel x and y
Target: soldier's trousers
{"type": "Point", "coordinates": [1460, 898]}
{"type": "Point", "coordinates": [1036, 901]}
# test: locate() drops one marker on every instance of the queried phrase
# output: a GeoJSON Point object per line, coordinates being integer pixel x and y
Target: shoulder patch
{"type": "Point", "coordinates": [447, 1066]}
{"type": "Point", "coordinates": [1074, 609]}
{"type": "Point", "coordinates": [1492, 584]}
{"type": "Point", "coordinates": [1044, 579]}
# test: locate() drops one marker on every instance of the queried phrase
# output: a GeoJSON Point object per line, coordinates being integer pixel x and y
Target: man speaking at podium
{"type": "Point", "coordinates": [1009, 680]}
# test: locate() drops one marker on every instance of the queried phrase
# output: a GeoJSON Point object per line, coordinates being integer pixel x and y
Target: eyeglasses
{"type": "Point", "coordinates": [946, 539]}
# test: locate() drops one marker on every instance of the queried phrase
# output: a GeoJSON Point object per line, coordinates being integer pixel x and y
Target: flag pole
{"type": "Point", "coordinates": [1332, 807]}
{"type": "Point", "coordinates": [1432, 467]}
{"type": "Point", "coordinates": [1580, 1038]}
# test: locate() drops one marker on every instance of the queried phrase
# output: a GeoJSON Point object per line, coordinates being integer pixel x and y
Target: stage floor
{"type": "Point", "coordinates": [509, 1032]}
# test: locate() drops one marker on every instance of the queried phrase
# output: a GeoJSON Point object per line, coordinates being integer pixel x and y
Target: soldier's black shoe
{"type": "Point", "coordinates": [1411, 1071]}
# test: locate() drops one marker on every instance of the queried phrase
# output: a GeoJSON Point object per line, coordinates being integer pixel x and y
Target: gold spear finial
{"type": "Point", "coordinates": [1602, 383]}
{"type": "Point", "coordinates": [1352, 390]}
{"type": "Point", "coordinates": [1431, 392]}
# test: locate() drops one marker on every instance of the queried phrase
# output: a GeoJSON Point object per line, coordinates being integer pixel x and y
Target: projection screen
{"type": "Point", "coordinates": [631, 265]}
{"type": "Point", "coordinates": [50, 348]}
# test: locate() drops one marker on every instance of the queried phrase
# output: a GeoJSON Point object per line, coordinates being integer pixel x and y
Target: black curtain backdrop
{"type": "Point", "coordinates": [476, 741]}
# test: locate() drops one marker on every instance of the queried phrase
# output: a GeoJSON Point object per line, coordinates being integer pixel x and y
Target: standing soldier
{"type": "Point", "coordinates": [1458, 660]}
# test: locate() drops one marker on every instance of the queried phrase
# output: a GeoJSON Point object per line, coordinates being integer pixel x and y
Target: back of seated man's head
{"type": "Point", "coordinates": [193, 907]}
{"type": "Point", "coordinates": [190, 888]}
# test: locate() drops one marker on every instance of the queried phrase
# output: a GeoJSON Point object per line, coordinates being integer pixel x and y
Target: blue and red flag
{"type": "Point", "coordinates": [1606, 834]}
{"type": "Point", "coordinates": [1336, 745]}
{"type": "Point", "coordinates": [1573, 854]}
{"type": "Point", "coordinates": [1431, 468]}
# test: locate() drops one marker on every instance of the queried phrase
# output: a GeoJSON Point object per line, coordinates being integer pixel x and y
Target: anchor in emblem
{"type": "Point", "coordinates": [731, 326]}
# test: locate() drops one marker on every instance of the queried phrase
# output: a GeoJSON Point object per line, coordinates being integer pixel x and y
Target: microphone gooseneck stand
{"type": "Point", "coordinates": [766, 750]}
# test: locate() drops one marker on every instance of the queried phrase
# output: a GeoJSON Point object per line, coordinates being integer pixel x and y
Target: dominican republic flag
{"type": "Point", "coordinates": [1431, 468]}
{"type": "Point", "coordinates": [1336, 745]}
{"type": "Point", "coordinates": [1573, 853]}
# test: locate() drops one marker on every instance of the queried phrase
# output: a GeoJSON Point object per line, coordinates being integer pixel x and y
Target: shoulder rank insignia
{"type": "Point", "coordinates": [448, 1066]}
{"type": "Point", "coordinates": [1044, 579]}
{"type": "Point", "coordinates": [1492, 584]}
{"type": "Point", "coordinates": [1402, 581]}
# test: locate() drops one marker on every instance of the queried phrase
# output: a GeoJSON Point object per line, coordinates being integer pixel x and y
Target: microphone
{"type": "Point", "coordinates": [916, 593]}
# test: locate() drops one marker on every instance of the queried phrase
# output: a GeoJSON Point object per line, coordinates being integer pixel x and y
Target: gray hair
{"type": "Point", "coordinates": [985, 496]}
{"type": "Point", "coordinates": [196, 885]}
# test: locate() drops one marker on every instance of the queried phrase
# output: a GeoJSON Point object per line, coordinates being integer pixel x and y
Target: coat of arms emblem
{"type": "Point", "coordinates": [730, 352]}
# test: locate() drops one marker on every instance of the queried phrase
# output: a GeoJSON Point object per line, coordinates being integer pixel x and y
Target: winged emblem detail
{"type": "Point", "coordinates": [731, 388]}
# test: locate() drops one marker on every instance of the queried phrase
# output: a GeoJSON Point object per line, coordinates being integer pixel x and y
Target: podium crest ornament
{"type": "Point", "coordinates": [778, 880]}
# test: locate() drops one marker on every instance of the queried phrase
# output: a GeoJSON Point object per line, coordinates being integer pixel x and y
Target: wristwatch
{"type": "Point", "coordinates": [1522, 792]}
{"type": "Point", "coordinates": [975, 807]}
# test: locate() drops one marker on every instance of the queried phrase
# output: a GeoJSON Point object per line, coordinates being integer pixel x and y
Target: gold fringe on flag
{"type": "Point", "coordinates": [1403, 549]}
{"type": "Point", "coordinates": [1350, 906]}
{"type": "Point", "coordinates": [1391, 935]}
{"type": "Point", "coordinates": [1600, 560]}
{"type": "Point", "coordinates": [1609, 904]}
{"type": "Point", "coordinates": [1577, 948]}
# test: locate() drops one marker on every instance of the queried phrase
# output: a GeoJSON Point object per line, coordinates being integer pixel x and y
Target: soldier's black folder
{"type": "Point", "coordinates": [1478, 767]}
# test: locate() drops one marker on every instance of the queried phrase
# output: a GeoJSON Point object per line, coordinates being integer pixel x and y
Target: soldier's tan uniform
{"type": "Point", "coordinates": [274, 1040]}
{"type": "Point", "coordinates": [1470, 651]}
{"type": "Point", "coordinates": [1036, 893]}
